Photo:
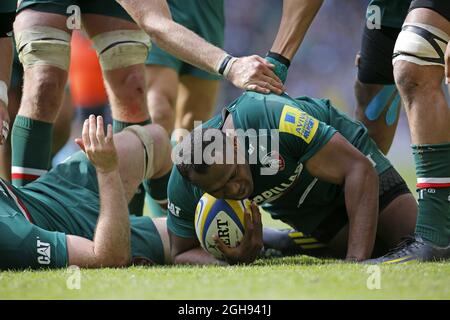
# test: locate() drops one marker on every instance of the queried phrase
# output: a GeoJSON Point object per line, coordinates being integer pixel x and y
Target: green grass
{"type": "Point", "coordinates": [285, 278]}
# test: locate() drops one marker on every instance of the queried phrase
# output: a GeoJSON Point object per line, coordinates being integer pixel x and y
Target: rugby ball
{"type": "Point", "coordinates": [221, 217]}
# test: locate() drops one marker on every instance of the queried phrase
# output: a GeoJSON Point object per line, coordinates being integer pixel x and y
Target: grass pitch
{"type": "Point", "coordinates": [284, 278]}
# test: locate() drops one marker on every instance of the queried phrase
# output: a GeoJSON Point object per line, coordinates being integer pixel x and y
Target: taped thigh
{"type": "Point", "coordinates": [421, 44]}
{"type": "Point", "coordinates": [121, 48]}
{"type": "Point", "coordinates": [41, 45]}
{"type": "Point", "coordinates": [147, 141]}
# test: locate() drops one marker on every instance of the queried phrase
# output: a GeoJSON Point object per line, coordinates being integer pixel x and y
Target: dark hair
{"type": "Point", "coordinates": [187, 152]}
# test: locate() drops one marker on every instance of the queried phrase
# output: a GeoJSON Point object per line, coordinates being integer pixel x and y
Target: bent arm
{"type": "Point", "coordinates": [188, 251]}
{"type": "Point", "coordinates": [338, 162]}
{"type": "Point", "coordinates": [295, 21]}
{"type": "Point", "coordinates": [111, 245]}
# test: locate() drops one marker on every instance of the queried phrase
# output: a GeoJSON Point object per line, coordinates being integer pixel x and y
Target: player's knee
{"type": "Point", "coordinates": [411, 80]}
{"type": "Point", "coordinates": [130, 87]}
{"type": "Point", "coordinates": [43, 46]}
{"type": "Point", "coordinates": [43, 90]}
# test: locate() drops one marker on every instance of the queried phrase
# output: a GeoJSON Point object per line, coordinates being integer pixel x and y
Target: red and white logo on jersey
{"type": "Point", "coordinates": [274, 159]}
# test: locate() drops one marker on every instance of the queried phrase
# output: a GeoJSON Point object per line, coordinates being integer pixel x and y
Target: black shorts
{"type": "Point", "coordinates": [377, 47]}
{"type": "Point", "coordinates": [440, 6]}
{"type": "Point", "coordinates": [391, 186]}
{"type": "Point", "coordinates": [6, 23]}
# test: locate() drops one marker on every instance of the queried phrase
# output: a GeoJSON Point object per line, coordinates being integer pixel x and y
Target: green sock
{"type": "Point", "coordinates": [433, 185]}
{"type": "Point", "coordinates": [136, 205]}
{"type": "Point", "coordinates": [31, 147]}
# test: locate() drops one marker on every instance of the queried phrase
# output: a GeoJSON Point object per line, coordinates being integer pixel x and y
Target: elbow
{"type": "Point", "coordinates": [114, 261]}
{"type": "Point", "coordinates": [364, 168]}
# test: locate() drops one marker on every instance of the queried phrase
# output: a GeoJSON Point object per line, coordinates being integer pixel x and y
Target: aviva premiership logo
{"type": "Point", "coordinates": [298, 123]}
{"type": "Point", "coordinates": [43, 251]}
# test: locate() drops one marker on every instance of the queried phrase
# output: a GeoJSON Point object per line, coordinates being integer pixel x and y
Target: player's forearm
{"type": "Point", "coordinates": [361, 198]}
{"type": "Point", "coordinates": [112, 236]}
{"type": "Point", "coordinates": [197, 256]}
{"type": "Point", "coordinates": [155, 19]}
{"type": "Point", "coordinates": [296, 19]}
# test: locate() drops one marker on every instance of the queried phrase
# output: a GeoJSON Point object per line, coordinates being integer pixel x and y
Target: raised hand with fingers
{"type": "Point", "coordinates": [252, 243]}
{"type": "Point", "coordinates": [99, 148]}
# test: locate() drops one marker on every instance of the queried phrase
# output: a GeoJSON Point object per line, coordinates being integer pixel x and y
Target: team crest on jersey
{"type": "Point", "coordinates": [298, 123]}
{"type": "Point", "coordinates": [273, 160]}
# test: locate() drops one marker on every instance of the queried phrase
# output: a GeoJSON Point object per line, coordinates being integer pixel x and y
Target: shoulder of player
{"type": "Point", "coordinates": [182, 191]}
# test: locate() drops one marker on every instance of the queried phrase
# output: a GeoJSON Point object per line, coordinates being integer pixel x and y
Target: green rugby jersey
{"type": "Point", "coordinates": [305, 125]}
{"type": "Point", "coordinates": [8, 6]}
{"type": "Point", "coordinates": [64, 201]}
{"type": "Point", "coordinates": [393, 12]}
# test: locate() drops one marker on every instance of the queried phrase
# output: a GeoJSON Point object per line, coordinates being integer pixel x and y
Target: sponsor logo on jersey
{"type": "Point", "coordinates": [298, 123]}
{"type": "Point", "coordinates": [276, 192]}
{"type": "Point", "coordinates": [173, 209]}
{"type": "Point", "coordinates": [43, 251]}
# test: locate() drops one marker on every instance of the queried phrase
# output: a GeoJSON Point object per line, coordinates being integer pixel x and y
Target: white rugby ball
{"type": "Point", "coordinates": [224, 218]}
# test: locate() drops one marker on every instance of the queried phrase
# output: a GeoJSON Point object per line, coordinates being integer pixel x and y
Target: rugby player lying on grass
{"type": "Point", "coordinates": [333, 184]}
{"type": "Point", "coordinates": [77, 214]}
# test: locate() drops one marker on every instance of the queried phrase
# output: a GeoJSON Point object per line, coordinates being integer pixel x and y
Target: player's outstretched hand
{"type": "Point", "coordinates": [99, 148]}
{"type": "Point", "coordinates": [447, 64]}
{"type": "Point", "coordinates": [252, 242]}
{"type": "Point", "coordinates": [4, 123]}
{"type": "Point", "coordinates": [256, 74]}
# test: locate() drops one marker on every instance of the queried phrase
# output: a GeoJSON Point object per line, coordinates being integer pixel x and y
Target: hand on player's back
{"type": "Point", "coordinates": [252, 243]}
{"type": "Point", "coordinates": [256, 74]}
{"type": "Point", "coordinates": [99, 148]}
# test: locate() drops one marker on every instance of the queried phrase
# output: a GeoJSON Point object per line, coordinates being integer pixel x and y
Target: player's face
{"type": "Point", "coordinates": [226, 181]}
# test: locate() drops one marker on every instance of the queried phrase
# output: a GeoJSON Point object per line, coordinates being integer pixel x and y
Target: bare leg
{"type": "Point", "coordinates": [379, 131]}
{"type": "Point", "coordinates": [196, 100]}
{"type": "Point", "coordinates": [126, 87]}
{"type": "Point", "coordinates": [162, 95]}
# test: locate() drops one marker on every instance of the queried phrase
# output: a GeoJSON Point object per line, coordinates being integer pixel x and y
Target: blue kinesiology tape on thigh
{"type": "Point", "coordinates": [386, 98]}
{"type": "Point", "coordinates": [393, 110]}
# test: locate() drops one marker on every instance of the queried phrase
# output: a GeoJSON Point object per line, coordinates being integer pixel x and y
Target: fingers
{"type": "Point", "coordinates": [80, 143]}
{"type": "Point", "coordinates": [272, 83]}
{"type": "Point", "coordinates": [276, 82]}
{"type": "Point", "coordinates": [257, 222]}
{"type": "Point", "coordinates": [85, 134]}
{"type": "Point", "coordinates": [263, 87]}
{"type": "Point", "coordinates": [264, 61]}
{"type": "Point", "coordinates": [92, 130]}
{"type": "Point", "coordinates": [221, 246]}
{"type": "Point", "coordinates": [109, 134]}
{"type": "Point", "coordinates": [100, 133]}
{"type": "Point", "coordinates": [248, 227]}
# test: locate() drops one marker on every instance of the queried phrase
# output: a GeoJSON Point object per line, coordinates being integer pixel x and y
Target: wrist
{"type": "Point", "coordinates": [107, 171]}
{"type": "Point", "coordinates": [281, 65]}
{"type": "Point", "coordinates": [280, 58]}
{"type": "Point", "coordinates": [224, 67]}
